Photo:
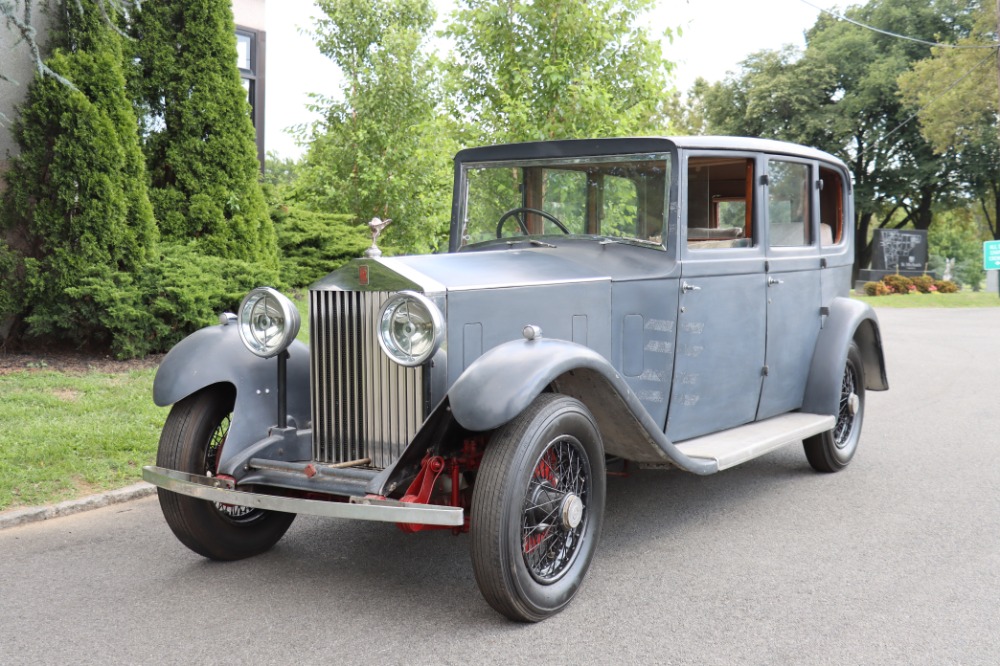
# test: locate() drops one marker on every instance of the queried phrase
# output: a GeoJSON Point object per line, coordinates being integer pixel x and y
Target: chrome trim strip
{"type": "Point", "coordinates": [359, 508]}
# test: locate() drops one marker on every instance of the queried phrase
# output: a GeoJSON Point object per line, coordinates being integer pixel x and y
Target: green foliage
{"type": "Point", "coordinates": [381, 150]}
{"type": "Point", "coordinates": [958, 237]}
{"type": "Point", "coordinates": [313, 244]}
{"type": "Point", "coordinates": [954, 93]}
{"type": "Point", "coordinates": [198, 136]}
{"type": "Point", "coordinates": [556, 69]}
{"type": "Point", "coordinates": [180, 292]}
{"type": "Point", "coordinates": [76, 203]}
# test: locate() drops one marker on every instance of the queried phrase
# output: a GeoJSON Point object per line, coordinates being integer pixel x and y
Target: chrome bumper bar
{"type": "Point", "coordinates": [358, 508]}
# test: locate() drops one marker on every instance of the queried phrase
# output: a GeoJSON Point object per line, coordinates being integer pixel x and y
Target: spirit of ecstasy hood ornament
{"type": "Point", "coordinates": [376, 225]}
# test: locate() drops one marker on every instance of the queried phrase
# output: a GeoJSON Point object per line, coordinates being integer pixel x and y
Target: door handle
{"type": "Point", "coordinates": [771, 281]}
{"type": "Point", "coordinates": [689, 287]}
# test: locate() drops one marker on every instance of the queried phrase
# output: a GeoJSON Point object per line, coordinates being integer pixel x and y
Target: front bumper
{"type": "Point", "coordinates": [357, 508]}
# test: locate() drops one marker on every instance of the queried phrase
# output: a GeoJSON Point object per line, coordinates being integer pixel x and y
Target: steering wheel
{"type": "Point", "coordinates": [520, 222]}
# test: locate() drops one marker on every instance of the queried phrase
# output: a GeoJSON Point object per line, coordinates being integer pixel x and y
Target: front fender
{"type": "Point", "coordinates": [216, 355]}
{"type": "Point", "coordinates": [501, 383]}
{"type": "Point", "coordinates": [848, 320]}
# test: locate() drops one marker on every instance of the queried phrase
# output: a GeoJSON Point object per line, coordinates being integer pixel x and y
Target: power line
{"type": "Point", "coordinates": [993, 45]}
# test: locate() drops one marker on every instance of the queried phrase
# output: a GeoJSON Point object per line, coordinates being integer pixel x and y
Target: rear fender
{"type": "Point", "coordinates": [848, 320]}
{"type": "Point", "coordinates": [216, 355]}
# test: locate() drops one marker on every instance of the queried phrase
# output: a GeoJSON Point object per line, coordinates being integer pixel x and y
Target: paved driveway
{"type": "Point", "coordinates": [894, 561]}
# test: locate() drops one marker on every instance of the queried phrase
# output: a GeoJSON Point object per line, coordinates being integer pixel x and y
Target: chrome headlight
{"type": "Point", "coordinates": [410, 328]}
{"type": "Point", "coordinates": [268, 322]}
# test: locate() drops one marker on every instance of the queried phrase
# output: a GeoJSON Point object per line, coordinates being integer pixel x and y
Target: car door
{"type": "Point", "coordinates": [721, 316]}
{"type": "Point", "coordinates": [790, 232]}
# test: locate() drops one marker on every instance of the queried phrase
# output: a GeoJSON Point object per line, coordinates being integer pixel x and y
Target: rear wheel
{"type": "Point", "coordinates": [192, 440]}
{"type": "Point", "coordinates": [832, 450]}
{"type": "Point", "coordinates": [537, 509]}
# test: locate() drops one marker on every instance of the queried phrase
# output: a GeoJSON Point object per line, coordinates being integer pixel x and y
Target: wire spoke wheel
{"type": "Point", "coordinates": [553, 519]}
{"type": "Point", "coordinates": [231, 512]}
{"type": "Point", "coordinates": [831, 451]}
{"type": "Point", "coordinates": [537, 508]}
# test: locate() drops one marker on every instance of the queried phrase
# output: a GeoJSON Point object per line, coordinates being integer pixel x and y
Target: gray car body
{"type": "Point", "coordinates": [648, 337]}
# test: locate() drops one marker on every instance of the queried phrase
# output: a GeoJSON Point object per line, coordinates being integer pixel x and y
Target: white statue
{"type": "Point", "coordinates": [949, 267]}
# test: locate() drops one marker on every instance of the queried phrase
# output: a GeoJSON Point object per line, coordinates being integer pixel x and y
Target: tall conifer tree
{"type": "Point", "coordinates": [76, 205]}
{"type": "Point", "coordinates": [198, 136]}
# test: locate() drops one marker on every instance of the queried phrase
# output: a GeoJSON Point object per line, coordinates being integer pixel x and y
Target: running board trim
{"type": "Point", "coordinates": [357, 508]}
{"type": "Point", "coordinates": [738, 445]}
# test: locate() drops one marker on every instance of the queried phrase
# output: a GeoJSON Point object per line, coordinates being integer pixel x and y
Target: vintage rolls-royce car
{"type": "Point", "coordinates": [671, 302]}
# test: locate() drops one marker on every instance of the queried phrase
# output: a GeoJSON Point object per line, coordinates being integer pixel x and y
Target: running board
{"type": "Point", "coordinates": [738, 445]}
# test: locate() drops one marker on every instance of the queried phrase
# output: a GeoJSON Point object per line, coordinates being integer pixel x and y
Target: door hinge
{"type": "Point", "coordinates": [764, 371]}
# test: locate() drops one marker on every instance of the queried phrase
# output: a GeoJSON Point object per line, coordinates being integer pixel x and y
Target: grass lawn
{"type": "Point", "coordinates": [66, 435]}
{"type": "Point", "coordinates": [71, 434]}
{"type": "Point", "coordinates": [961, 299]}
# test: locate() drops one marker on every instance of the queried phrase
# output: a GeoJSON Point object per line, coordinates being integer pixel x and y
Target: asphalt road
{"type": "Point", "coordinates": [894, 561]}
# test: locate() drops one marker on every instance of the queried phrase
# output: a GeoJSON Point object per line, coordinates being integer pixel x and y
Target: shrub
{"type": "Point", "coordinates": [313, 244]}
{"type": "Point", "coordinates": [898, 284]}
{"type": "Point", "coordinates": [946, 286]}
{"type": "Point", "coordinates": [876, 289]}
{"type": "Point", "coordinates": [178, 294]}
{"type": "Point", "coordinates": [923, 283]}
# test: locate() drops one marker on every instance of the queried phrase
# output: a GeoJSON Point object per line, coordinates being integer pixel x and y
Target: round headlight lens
{"type": "Point", "coordinates": [410, 328]}
{"type": "Point", "coordinates": [269, 322]}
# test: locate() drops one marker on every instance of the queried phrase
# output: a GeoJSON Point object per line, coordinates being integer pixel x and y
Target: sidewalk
{"type": "Point", "coordinates": [33, 514]}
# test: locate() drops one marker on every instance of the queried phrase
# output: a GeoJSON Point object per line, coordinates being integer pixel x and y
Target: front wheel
{"type": "Point", "coordinates": [832, 450]}
{"type": "Point", "coordinates": [192, 439]}
{"type": "Point", "coordinates": [537, 509]}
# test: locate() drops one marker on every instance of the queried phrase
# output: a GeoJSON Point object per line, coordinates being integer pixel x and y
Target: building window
{"type": "Point", "coordinates": [250, 60]}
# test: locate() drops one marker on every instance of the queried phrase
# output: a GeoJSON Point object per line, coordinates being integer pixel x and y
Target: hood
{"type": "Point", "coordinates": [463, 271]}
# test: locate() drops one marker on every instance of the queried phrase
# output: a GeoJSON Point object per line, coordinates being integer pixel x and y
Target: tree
{"type": "Point", "coordinates": [198, 136]}
{"type": "Point", "coordinates": [841, 95]}
{"type": "Point", "coordinates": [555, 69]}
{"type": "Point", "coordinates": [76, 204]}
{"type": "Point", "coordinates": [955, 93]}
{"type": "Point", "coordinates": [381, 150]}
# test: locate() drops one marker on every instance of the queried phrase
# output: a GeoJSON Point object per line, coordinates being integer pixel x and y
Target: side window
{"type": "Point", "coordinates": [720, 203]}
{"type": "Point", "coordinates": [831, 207]}
{"type": "Point", "coordinates": [788, 203]}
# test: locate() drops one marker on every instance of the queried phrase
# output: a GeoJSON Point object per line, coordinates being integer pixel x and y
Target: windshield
{"type": "Point", "coordinates": [621, 197]}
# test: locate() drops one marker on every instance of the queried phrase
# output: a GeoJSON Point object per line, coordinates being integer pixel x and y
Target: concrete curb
{"type": "Point", "coordinates": [18, 517]}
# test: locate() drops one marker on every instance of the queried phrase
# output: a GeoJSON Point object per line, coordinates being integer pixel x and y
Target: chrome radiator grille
{"type": "Point", "coordinates": [364, 405]}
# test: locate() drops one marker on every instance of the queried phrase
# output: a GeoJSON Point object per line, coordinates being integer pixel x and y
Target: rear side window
{"type": "Point", "coordinates": [831, 207]}
{"type": "Point", "coordinates": [788, 203]}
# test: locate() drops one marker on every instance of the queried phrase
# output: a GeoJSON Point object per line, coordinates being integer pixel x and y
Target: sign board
{"type": "Point", "coordinates": [899, 250]}
{"type": "Point", "coordinates": [991, 255]}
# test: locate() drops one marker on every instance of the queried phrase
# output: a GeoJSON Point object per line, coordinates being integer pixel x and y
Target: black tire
{"type": "Point", "coordinates": [832, 450]}
{"type": "Point", "coordinates": [192, 438]}
{"type": "Point", "coordinates": [546, 463]}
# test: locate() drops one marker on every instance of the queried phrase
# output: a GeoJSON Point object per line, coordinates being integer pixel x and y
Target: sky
{"type": "Point", "coordinates": [716, 36]}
